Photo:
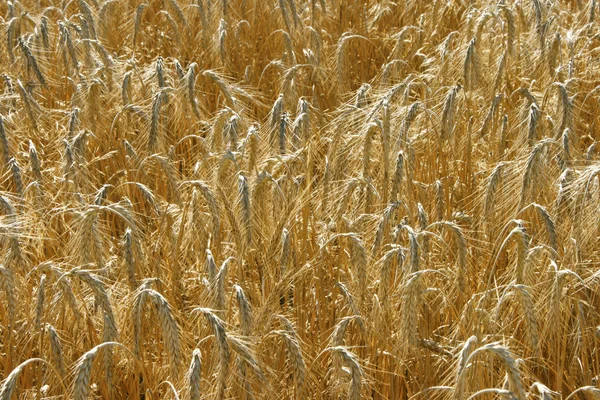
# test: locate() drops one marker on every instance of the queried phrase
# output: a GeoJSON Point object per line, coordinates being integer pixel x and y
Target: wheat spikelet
{"type": "Point", "coordinates": [126, 89]}
{"type": "Point", "coordinates": [231, 131]}
{"type": "Point", "coordinates": [501, 353]}
{"type": "Point", "coordinates": [534, 118]}
{"type": "Point", "coordinates": [567, 109]}
{"type": "Point", "coordinates": [73, 123]}
{"type": "Point", "coordinates": [297, 20]}
{"type": "Point", "coordinates": [530, 319]}
{"type": "Point", "coordinates": [87, 12]}
{"type": "Point", "coordinates": [153, 137]}
{"type": "Point", "coordinates": [296, 359]}
{"type": "Point", "coordinates": [10, 383]}
{"type": "Point", "coordinates": [245, 311]}
{"type": "Point", "coordinates": [218, 328]}
{"type": "Point", "coordinates": [532, 170]}
{"type": "Point", "coordinates": [219, 285]}
{"type": "Point", "coordinates": [87, 46]}
{"type": "Point", "coordinates": [194, 375]}
{"type": "Point", "coordinates": [160, 72]}
{"type": "Point", "coordinates": [136, 314]}
{"type": "Point", "coordinates": [286, 244]}
{"type": "Point", "coordinates": [107, 60]}
{"type": "Point", "coordinates": [538, 20]}
{"type": "Point", "coordinates": [448, 113]}
{"type": "Point", "coordinates": [461, 257]}
{"type": "Point", "coordinates": [252, 142]}
{"type": "Point", "coordinates": [168, 325]}
{"type": "Point", "coordinates": [83, 374]}
{"type": "Point", "coordinates": [289, 56]}
{"type": "Point", "coordinates": [562, 199]}
{"type": "Point", "coordinates": [359, 262]}
{"type": "Point", "coordinates": [130, 150]}
{"type": "Point", "coordinates": [78, 146]}
{"type": "Point", "coordinates": [522, 247]}
{"type": "Point", "coordinates": [246, 356]}
{"type": "Point", "coordinates": [284, 122]}
{"type": "Point", "coordinates": [501, 72]}
{"type": "Point", "coordinates": [231, 218]}
{"type": "Point", "coordinates": [354, 391]}
{"type": "Point", "coordinates": [471, 67]}
{"type": "Point", "coordinates": [33, 159]}
{"type": "Point", "coordinates": [100, 294]}
{"type": "Point", "coordinates": [553, 54]}
{"type": "Point", "coordinates": [129, 259]}
{"type": "Point", "coordinates": [7, 282]}
{"type": "Point", "coordinates": [276, 112]}
{"type": "Point", "coordinates": [204, 22]}
{"type": "Point", "coordinates": [244, 194]}
{"type": "Point", "coordinates": [397, 180]}
{"type": "Point", "coordinates": [341, 57]}
{"type": "Point", "coordinates": [148, 196]}
{"type": "Point", "coordinates": [67, 45]}
{"type": "Point", "coordinates": [222, 86]}
{"type": "Point", "coordinates": [463, 358]}
{"type": "Point", "coordinates": [510, 364]}
{"type": "Point", "coordinates": [301, 125]}
{"type": "Point", "coordinates": [503, 133]}
{"type": "Point", "coordinates": [367, 144]}
{"type": "Point", "coordinates": [211, 266]}
{"type": "Point", "coordinates": [6, 206]}
{"type": "Point", "coordinates": [83, 370]}
{"type": "Point", "coordinates": [16, 174]}
{"type": "Point", "coordinates": [64, 284]}
{"type": "Point", "coordinates": [361, 96]}
{"type": "Point", "coordinates": [485, 128]}
{"type": "Point", "coordinates": [413, 248]}
{"type": "Point", "coordinates": [423, 219]}
{"type": "Point", "coordinates": [56, 350]}
{"type": "Point", "coordinates": [220, 37]}
{"type": "Point", "coordinates": [211, 199]}
{"type": "Point", "coordinates": [107, 355]}
{"type": "Point", "coordinates": [178, 12]}
{"type": "Point", "coordinates": [101, 194]}
{"type": "Point", "coordinates": [10, 37]}
{"type": "Point", "coordinates": [511, 28]}
{"type": "Point", "coordinates": [170, 331]}
{"type": "Point", "coordinates": [4, 142]}
{"type": "Point", "coordinates": [549, 224]}
{"type": "Point", "coordinates": [383, 225]}
{"type": "Point", "coordinates": [39, 308]}
{"type": "Point", "coordinates": [593, 391]}
{"type": "Point", "coordinates": [440, 206]}
{"type": "Point", "coordinates": [87, 239]}
{"type": "Point", "coordinates": [411, 303]}
{"type": "Point", "coordinates": [544, 392]}
{"type": "Point", "coordinates": [32, 62]}
{"type": "Point", "coordinates": [284, 14]}
{"type": "Point", "coordinates": [139, 12]}
{"type": "Point", "coordinates": [385, 276]}
{"type": "Point", "coordinates": [14, 257]}
{"type": "Point", "coordinates": [190, 81]}
{"type": "Point", "coordinates": [337, 337]}
{"type": "Point", "coordinates": [490, 192]}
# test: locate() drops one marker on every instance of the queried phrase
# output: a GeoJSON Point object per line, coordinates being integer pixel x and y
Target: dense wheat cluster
{"type": "Point", "coordinates": [326, 199]}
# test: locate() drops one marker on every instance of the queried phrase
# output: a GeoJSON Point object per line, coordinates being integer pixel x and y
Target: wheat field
{"type": "Point", "coordinates": [293, 199]}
